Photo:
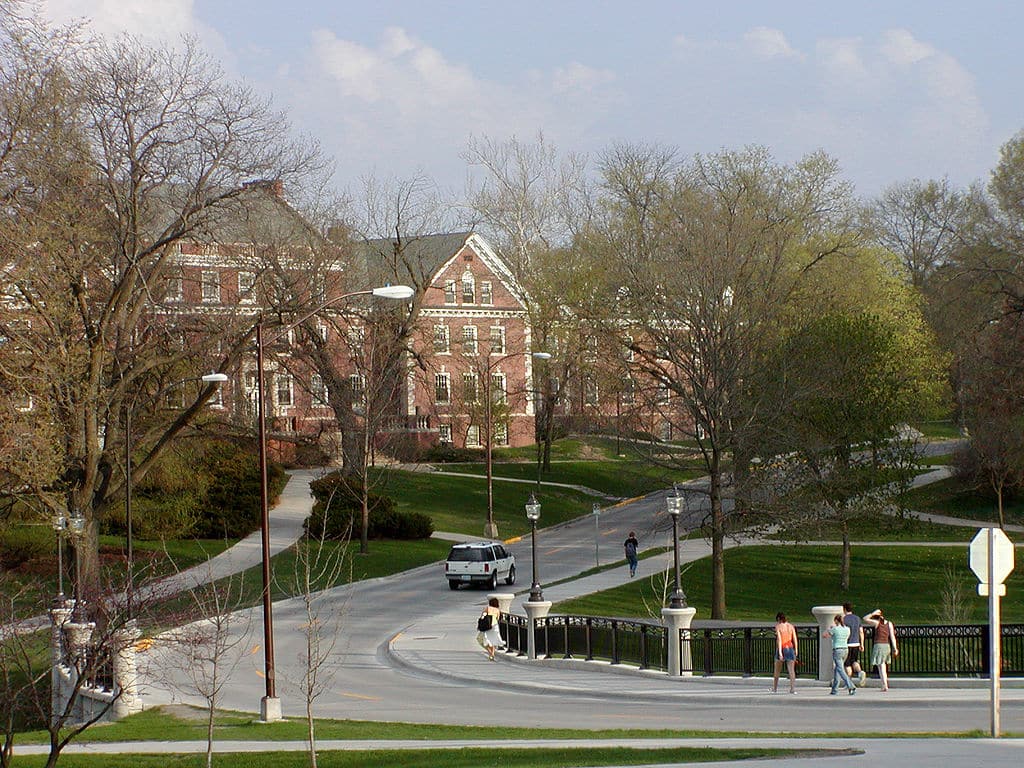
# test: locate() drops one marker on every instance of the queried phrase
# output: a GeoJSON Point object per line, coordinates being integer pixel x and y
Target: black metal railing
{"type": "Point", "coordinates": [941, 651]}
{"type": "Point", "coordinates": [743, 651]}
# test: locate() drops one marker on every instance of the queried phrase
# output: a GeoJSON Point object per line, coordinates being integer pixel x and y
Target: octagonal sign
{"type": "Point", "coordinates": [1002, 555]}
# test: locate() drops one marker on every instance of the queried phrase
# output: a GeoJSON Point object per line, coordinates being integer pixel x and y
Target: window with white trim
{"type": "Point", "coordinates": [468, 288]}
{"type": "Point", "coordinates": [470, 387]}
{"type": "Point", "coordinates": [444, 433]}
{"type": "Point", "coordinates": [209, 286]}
{"type": "Point", "coordinates": [499, 390]}
{"type": "Point", "coordinates": [175, 287]}
{"type": "Point", "coordinates": [661, 396]}
{"type": "Point", "coordinates": [246, 287]}
{"type": "Point", "coordinates": [357, 384]}
{"type": "Point", "coordinates": [442, 339]}
{"type": "Point", "coordinates": [318, 390]}
{"type": "Point", "coordinates": [283, 389]}
{"type": "Point", "coordinates": [449, 291]}
{"type": "Point", "coordinates": [442, 387]}
{"type": "Point", "coordinates": [591, 393]}
{"type": "Point", "coordinates": [486, 292]}
{"type": "Point", "coordinates": [473, 435]}
{"type": "Point", "coordinates": [469, 346]}
{"type": "Point", "coordinates": [497, 340]}
{"type": "Point", "coordinates": [628, 394]}
{"type": "Point", "coordinates": [501, 433]}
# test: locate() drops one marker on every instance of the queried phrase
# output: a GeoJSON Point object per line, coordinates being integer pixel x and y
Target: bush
{"type": "Point", "coordinates": [449, 454]}
{"type": "Point", "coordinates": [337, 513]}
{"type": "Point", "coordinates": [231, 508]}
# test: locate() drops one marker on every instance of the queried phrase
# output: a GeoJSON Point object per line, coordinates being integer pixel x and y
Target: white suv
{"type": "Point", "coordinates": [480, 562]}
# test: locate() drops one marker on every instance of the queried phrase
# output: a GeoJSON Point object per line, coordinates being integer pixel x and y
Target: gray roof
{"type": "Point", "coordinates": [413, 260]}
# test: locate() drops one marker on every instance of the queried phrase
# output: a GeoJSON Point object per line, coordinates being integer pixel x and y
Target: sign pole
{"type": "Point", "coordinates": [995, 630]}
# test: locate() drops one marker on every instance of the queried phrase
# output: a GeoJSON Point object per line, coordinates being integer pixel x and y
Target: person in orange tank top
{"type": "Point", "coordinates": [883, 648]}
{"type": "Point", "coordinates": [785, 651]}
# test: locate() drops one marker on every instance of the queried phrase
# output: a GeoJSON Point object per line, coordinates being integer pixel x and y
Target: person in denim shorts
{"type": "Point", "coordinates": [785, 651]}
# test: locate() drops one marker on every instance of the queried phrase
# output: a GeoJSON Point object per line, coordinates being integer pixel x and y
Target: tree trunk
{"type": "Point", "coordinates": [844, 568]}
{"type": "Point", "coordinates": [999, 502]}
{"type": "Point", "coordinates": [717, 538]}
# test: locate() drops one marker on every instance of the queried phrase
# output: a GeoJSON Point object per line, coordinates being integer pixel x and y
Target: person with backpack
{"type": "Point", "coordinates": [631, 547]}
{"type": "Point", "coordinates": [488, 633]}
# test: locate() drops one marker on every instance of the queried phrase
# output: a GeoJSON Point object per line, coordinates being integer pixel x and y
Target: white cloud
{"type": "Point", "coordinates": [580, 77]}
{"type": "Point", "coordinates": [166, 19]}
{"type": "Point", "coordinates": [770, 43]}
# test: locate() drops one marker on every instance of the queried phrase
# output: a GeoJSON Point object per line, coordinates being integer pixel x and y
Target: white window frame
{"type": "Point", "coordinates": [470, 341]}
{"type": "Point", "coordinates": [473, 436]}
{"type": "Point", "coordinates": [284, 385]}
{"type": "Point", "coordinates": [209, 286]}
{"type": "Point", "coordinates": [591, 391]}
{"type": "Point", "coordinates": [450, 292]}
{"type": "Point", "coordinates": [357, 385]}
{"type": "Point", "coordinates": [246, 287]}
{"type": "Point", "coordinates": [442, 340]}
{"type": "Point", "coordinates": [470, 387]}
{"type": "Point", "coordinates": [499, 388]}
{"type": "Point", "coordinates": [444, 433]}
{"type": "Point", "coordinates": [318, 391]}
{"type": "Point", "coordinates": [497, 333]}
{"type": "Point", "coordinates": [442, 387]}
{"type": "Point", "coordinates": [468, 288]}
{"type": "Point", "coordinates": [175, 288]}
{"type": "Point", "coordinates": [486, 293]}
{"type": "Point", "coordinates": [500, 436]}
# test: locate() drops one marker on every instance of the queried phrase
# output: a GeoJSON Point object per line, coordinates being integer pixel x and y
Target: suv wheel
{"type": "Point", "coordinates": [511, 578]}
{"type": "Point", "coordinates": [493, 583]}
{"type": "Point", "coordinates": [453, 584]}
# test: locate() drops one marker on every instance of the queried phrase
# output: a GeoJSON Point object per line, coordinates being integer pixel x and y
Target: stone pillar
{"type": "Point", "coordinates": [504, 600]}
{"type": "Point", "coordinates": [680, 661]}
{"type": "Point", "coordinates": [126, 679]}
{"type": "Point", "coordinates": [79, 636]}
{"type": "Point", "coordinates": [825, 616]}
{"type": "Point", "coordinates": [534, 611]}
{"type": "Point", "coordinates": [59, 616]}
{"type": "Point", "coordinates": [270, 709]}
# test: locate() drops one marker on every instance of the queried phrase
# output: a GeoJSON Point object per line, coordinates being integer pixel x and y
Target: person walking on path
{"type": "Point", "coordinates": [785, 651]}
{"type": "Point", "coordinates": [840, 634]}
{"type": "Point", "coordinates": [631, 546]}
{"type": "Point", "coordinates": [489, 635]}
{"type": "Point", "coordinates": [883, 649]}
{"type": "Point", "coordinates": [855, 645]}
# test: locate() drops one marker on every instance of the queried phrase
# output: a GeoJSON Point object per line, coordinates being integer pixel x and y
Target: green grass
{"type": "Point", "coordinates": [944, 428]}
{"type": "Point", "coordinates": [882, 528]}
{"type": "Point", "coordinates": [458, 757]}
{"type": "Point", "coordinates": [459, 504]}
{"type": "Point", "coordinates": [954, 498]}
{"type": "Point", "coordinates": [906, 581]}
{"type": "Point", "coordinates": [615, 477]}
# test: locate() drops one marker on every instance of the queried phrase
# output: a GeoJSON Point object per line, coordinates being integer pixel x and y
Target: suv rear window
{"type": "Point", "coordinates": [470, 554]}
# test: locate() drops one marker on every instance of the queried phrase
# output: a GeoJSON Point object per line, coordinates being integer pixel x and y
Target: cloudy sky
{"type": "Point", "coordinates": [895, 90]}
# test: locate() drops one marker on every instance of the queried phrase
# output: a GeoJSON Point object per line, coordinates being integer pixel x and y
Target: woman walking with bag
{"type": "Point", "coordinates": [489, 635]}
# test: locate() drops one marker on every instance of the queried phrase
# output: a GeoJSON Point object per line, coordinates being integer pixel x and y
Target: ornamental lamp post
{"type": "Point", "coordinates": [76, 524]}
{"type": "Point", "coordinates": [270, 704]}
{"type": "Point", "coordinates": [60, 525]}
{"type": "Point", "coordinates": [674, 504]}
{"type": "Point", "coordinates": [533, 514]}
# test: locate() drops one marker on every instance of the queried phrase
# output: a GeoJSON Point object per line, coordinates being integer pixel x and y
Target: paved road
{"type": "Point", "coordinates": [407, 652]}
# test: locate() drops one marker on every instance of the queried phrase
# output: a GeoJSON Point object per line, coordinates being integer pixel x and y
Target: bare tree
{"type": "Point", "coordinates": [131, 151]}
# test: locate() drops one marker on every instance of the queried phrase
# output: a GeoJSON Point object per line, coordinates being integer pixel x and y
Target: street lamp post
{"type": "Point", "coordinates": [76, 524]}
{"type": "Point", "coordinates": [674, 504]}
{"type": "Point", "coordinates": [60, 525]}
{"type": "Point", "coordinates": [491, 528]}
{"type": "Point", "coordinates": [270, 704]}
{"type": "Point", "coordinates": [596, 509]}
{"type": "Point", "coordinates": [129, 545]}
{"type": "Point", "coordinates": [533, 514]}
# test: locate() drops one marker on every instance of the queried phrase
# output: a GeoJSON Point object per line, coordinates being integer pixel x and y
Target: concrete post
{"type": "Point", "coordinates": [825, 616]}
{"type": "Point", "coordinates": [126, 679]}
{"type": "Point", "coordinates": [79, 636]}
{"type": "Point", "coordinates": [680, 662]}
{"type": "Point", "coordinates": [535, 610]}
{"type": "Point", "coordinates": [59, 616]}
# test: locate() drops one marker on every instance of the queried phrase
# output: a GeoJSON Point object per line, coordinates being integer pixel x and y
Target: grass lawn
{"type": "Point", "coordinates": [882, 528]}
{"type": "Point", "coordinates": [466, 757]}
{"type": "Point", "coordinates": [906, 581]}
{"type": "Point", "coordinates": [952, 497]}
{"type": "Point", "coordinates": [615, 477]}
{"type": "Point", "coordinates": [459, 504]}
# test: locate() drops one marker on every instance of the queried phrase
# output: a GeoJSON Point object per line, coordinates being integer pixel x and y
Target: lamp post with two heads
{"type": "Point", "coordinates": [270, 705]}
{"type": "Point", "coordinates": [533, 515]}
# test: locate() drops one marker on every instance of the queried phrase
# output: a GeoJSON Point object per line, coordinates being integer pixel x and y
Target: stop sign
{"type": "Point", "coordinates": [1002, 555]}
